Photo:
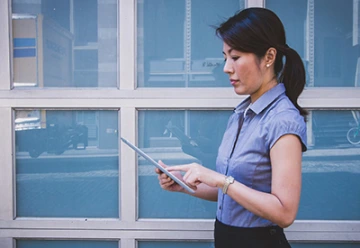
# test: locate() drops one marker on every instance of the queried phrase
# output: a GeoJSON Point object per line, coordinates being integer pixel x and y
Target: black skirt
{"type": "Point", "coordinates": [257, 237]}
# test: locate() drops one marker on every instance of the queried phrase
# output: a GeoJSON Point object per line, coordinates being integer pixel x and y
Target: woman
{"type": "Point", "coordinates": [257, 181]}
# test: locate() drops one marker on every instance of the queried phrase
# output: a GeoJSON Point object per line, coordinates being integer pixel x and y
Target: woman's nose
{"type": "Point", "coordinates": [228, 67]}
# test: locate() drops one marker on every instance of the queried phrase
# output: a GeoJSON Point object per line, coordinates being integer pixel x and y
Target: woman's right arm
{"type": "Point", "coordinates": [202, 190]}
{"type": "Point", "coordinates": [205, 192]}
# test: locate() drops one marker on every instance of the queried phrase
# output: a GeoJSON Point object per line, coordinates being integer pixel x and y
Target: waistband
{"type": "Point", "coordinates": [248, 232]}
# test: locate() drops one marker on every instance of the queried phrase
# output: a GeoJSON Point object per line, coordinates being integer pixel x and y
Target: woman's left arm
{"type": "Point", "coordinates": [281, 205]}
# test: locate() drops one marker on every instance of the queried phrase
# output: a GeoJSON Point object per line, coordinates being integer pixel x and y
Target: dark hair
{"type": "Point", "coordinates": [255, 30]}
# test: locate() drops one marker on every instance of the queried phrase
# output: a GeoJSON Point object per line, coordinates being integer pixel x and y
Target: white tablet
{"type": "Point", "coordinates": [148, 158]}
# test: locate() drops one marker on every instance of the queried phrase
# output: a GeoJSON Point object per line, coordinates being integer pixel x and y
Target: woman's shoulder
{"type": "Point", "coordinates": [285, 118]}
{"type": "Point", "coordinates": [283, 108]}
{"type": "Point", "coordinates": [284, 113]}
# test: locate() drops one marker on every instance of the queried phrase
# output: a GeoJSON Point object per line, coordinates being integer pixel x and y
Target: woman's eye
{"type": "Point", "coordinates": [234, 58]}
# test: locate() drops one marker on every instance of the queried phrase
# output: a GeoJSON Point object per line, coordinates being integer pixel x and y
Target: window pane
{"type": "Point", "coordinates": [327, 245]}
{"type": "Point", "coordinates": [66, 163]}
{"type": "Point", "coordinates": [332, 162]}
{"type": "Point", "coordinates": [177, 45]}
{"type": "Point", "coordinates": [331, 167]}
{"type": "Point", "coordinates": [174, 244]}
{"type": "Point", "coordinates": [166, 135]}
{"type": "Point", "coordinates": [68, 43]}
{"type": "Point", "coordinates": [65, 243]}
{"type": "Point", "coordinates": [327, 39]}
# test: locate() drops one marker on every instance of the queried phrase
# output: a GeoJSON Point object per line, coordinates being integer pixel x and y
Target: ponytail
{"type": "Point", "coordinates": [292, 76]}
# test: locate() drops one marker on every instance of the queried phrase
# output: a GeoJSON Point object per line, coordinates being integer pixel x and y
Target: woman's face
{"type": "Point", "coordinates": [246, 72]}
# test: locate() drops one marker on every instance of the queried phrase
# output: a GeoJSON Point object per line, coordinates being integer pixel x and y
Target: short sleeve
{"type": "Point", "coordinates": [286, 123]}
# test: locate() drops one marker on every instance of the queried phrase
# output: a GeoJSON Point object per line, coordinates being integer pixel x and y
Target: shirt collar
{"type": "Point", "coordinates": [264, 100]}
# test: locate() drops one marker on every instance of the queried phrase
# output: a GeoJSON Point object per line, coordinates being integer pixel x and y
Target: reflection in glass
{"type": "Point", "coordinates": [65, 243]}
{"type": "Point", "coordinates": [177, 137]}
{"type": "Point", "coordinates": [174, 244]}
{"type": "Point", "coordinates": [331, 168]}
{"type": "Point", "coordinates": [177, 45]}
{"type": "Point", "coordinates": [66, 163]}
{"type": "Point", "coordinates": [327, 39]}
{"type": "Point", "coordinates": [64, 43]}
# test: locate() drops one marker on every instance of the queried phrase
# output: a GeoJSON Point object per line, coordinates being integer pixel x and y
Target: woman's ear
{"type": "Point", "coordinates": [270, 57]}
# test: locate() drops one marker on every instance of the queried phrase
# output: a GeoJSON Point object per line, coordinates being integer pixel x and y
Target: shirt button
{"type": "Point", "coordinates": [220, 207]}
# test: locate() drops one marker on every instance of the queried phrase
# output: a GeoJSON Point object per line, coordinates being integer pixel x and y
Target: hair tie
{"type": "Point", "coordinates": [284, 48]}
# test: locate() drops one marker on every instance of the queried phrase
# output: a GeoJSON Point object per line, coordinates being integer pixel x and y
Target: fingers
{"type": "Point", "coordinates": [162, 164]}
{"type": "Point", "coordinates": [192, 173]}
{"type": "Point", "coordinates": [167, 183]}
{"type": "Point", "coordinates": [191, 178]}
{"type": "Point", "coordinates": [157, 170]}
{"type": "Point", "coordinates": [165, 180]}
{"type": "Point", "coordinates": [185, 168]}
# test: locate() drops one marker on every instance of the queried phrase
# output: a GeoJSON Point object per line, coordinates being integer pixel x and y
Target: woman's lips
{"type": "Point", "coordinates": [233, 82]}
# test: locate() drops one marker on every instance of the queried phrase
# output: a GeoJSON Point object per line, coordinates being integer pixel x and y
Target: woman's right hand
{"type": "Point", "coordinates": [166, 182]}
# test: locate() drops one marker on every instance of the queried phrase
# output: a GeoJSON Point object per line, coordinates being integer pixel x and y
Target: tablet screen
{"type": "Point", "coordinates": [148, 158]}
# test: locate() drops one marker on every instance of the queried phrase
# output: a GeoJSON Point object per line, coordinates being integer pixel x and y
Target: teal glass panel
{"type": "Point", "coordinates": [331, 167]}
{"type": "Point", "coordinates": [331, 172]}
{"type": "Point", "coordinates": [65, 243]}
{"type": "Point", "coordinates": [327, 245]}
{"type": "Point", "coordinates": [67, 163]}
{"type": "Point", "coordinates": [174, 244]}
{"type": "Point", "coordinates": [177, 137]}
{"type": "Point", "coordinates": [68, 43]}
{"type": "Point", "coordinates": [177, 45]}
{"type": "Point", "coordinates": [327, 39]}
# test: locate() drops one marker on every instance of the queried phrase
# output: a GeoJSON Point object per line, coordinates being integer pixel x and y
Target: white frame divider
{"type": "Point", "coordinates": [128, 169]}
{"type": "Point", "coordinates": [128, 99]}
{"type": "Point", "coordinates": [319, 98]}
{"type": "Point", "coordinates": [7, 183]}
{"type": "Point", "coordinates": [254, 3]}
{"type": "Point", "coordinates": [127, 44]}
{"type": "Point", "coordinates": [7, 242]}
{"type": "Point", "coordinates": [5, 45]}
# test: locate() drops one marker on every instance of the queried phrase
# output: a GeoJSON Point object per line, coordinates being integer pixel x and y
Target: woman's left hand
{"type": "Point", "coordinates": [196, 174]}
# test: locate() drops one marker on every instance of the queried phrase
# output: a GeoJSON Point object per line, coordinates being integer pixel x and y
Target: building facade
{"type": "Point", "coordinates": [75, 75]}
